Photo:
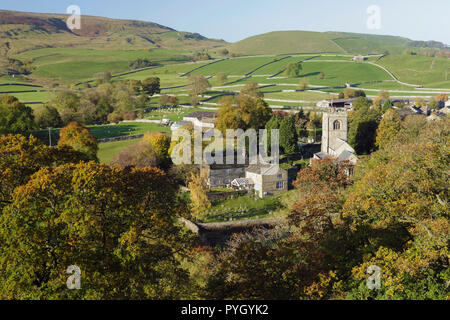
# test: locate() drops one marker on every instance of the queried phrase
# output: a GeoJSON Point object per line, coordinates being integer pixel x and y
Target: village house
{"type": "Point", "coordinates": [200, 119]}
{"type": "Point", "coordinates": [268, 180]}
{"type": "Point", "coordinates": [242, 184]}
{"type": "Point", "coordinates": [221, 175]}
{"type": "Point", "coordinates": [346, 104]}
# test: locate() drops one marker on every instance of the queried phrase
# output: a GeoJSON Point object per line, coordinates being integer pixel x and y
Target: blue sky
{"type": "Point", "coordinates": [233, 20]}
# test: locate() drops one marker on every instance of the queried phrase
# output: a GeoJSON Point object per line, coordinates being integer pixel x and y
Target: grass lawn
{"type": "Point", "coordinates": [244, 207]}
{"type": "Point", "coordinates": [108, 152]}
{"type": "Point", "coordinates": [173, 114]}
{"type": "Point", "coordinates": [125, 129]}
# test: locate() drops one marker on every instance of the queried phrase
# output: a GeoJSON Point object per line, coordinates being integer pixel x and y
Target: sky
{"type": "Point", "coordinates": [234, 20]}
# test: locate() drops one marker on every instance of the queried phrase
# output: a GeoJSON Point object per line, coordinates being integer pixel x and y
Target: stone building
{"type": "Point", "coordinates": [268, 180]}
{"type": "Point", "coordinates": [335, 137]}
{"type": "Point", "coordinates": [221, 175]}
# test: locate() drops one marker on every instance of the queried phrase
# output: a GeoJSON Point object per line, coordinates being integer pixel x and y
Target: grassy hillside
{"type": "Point", "coordinates": [20, 31]}
{"type": "Point", "coordinates": [426, 71]}
{"type": "Point", "coordinates": [280, 42]}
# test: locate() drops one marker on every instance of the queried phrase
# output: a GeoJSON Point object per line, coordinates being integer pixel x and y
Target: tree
{"type": "Point", "coordinates": [433, 104]}
{"type": "Point", "coordinates": [388, 129]}
{"type": "Point", "coordinates": [141, 63]}
{"type": "Point", "coordinates": [419, 102]}
{"type": "Point", "coordinates": [362, 129]}
{"type": "Point", "coordinates": [360, 93]}
{"type": "Point", "coordinates": [250, 89]}
{"type": "Point", "coordinates": [288, 135]}
{"type": "Point", "coordinates": [442, 97]}
{"type": "Point", "coordinates": [165, 100]}
{"type": "Point", "coordinates": [199, 84]}
{"type": "Point", "coordinates": [21, 157]}
{"type": "Point", "coordinates": [113, 223]}
{"type": "Point", "coordinates": [15, 117]}
{"type": "Point", "coordinates": [244, 113]}
{"type": "Point", "coordinates": [80, 138]}
{"type": "Point", "coordinates": [403, 194]}
{"type": "Point", "coordinates": [293, 70]}
{"type": "Point", "coordinates": [349, 93]}
{"type": "Point", "coordinates": [151, 86]}
{"type": "Point", "coordinates": [386, 106]}
{"type": "Point", "coordinates": [47, 117]}
{"type": "Point", "coordinates": [160, 143]}
{"type": "Point", "coordinates": [303, 85]}
{"type": "Point", "coordinates": [102, 77]}
{"type": "Point", "coordinates": [221, 77]}
{"type": "Point", "coordinates": [272, 124]}
{"type": "Point", "coordinates": [198, 194]}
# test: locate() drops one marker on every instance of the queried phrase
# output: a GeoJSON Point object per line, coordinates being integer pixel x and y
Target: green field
{"type": "Point", "coordinates": [236, 66]}
{"type": "Point", "coordinates": [71, 65]}
{"type": "Point", "coordinates": [108, 152]}
{"type": "Point", "coordinates": [125, 129]}
{"type": "Point", "coordinates": [426, 71]}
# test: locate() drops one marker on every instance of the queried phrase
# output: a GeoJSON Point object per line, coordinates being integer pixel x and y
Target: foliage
{"type": "Point", "coordinates": [363, 125]}
{"type": "Point", "coordinates": [78, 137]}
{"type": "Point", "coordinates": [140, 63]}
{"type": "Point", "coordinates": [199, 198]}
{"type": "Point", "coordinates": [113, 223]}
{"type": "Point", "coordinates": [15, 117]}
{"type": "Point", "coordinates": [288, 135]}
{"type": "Point", "coordinates": [151, 86]}
{"type": "Point", "coordinates": [48, 117]}
{"type": "Point", "coordinates": [221, 77]}
{"type": "Point", "coordinates": [389, 127]}
{"type": "Point", "coordinates": [293, 70]}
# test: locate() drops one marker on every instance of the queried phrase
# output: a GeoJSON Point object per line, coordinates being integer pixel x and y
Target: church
{"type": "Point", "coordinates": [335, 138]}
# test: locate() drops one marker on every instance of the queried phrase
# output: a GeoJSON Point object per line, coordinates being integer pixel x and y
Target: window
{"type": "Point", "coordinates": [279, 176]}
{"type": "Point", "coordinates": [336, 125]}
{"type": "Point", "coordinates": [280, 185]}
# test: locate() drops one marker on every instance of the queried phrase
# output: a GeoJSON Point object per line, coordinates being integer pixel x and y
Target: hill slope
{"type": "Point", "coordinates": [20, 31]}
{"type": "Point", "coordinates": [280, 42]}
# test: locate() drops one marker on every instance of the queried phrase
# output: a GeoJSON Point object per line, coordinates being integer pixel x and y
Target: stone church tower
{"type": "Point", "coordinates": [334, 130]}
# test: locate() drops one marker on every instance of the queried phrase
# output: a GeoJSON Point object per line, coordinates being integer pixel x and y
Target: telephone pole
{"type": "Point", "coordinates": [50, 136]}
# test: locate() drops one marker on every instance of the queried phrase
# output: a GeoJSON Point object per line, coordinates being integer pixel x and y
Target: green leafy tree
{"type": "Point", "coordinates": [388, 129]}
{"type": "Point", "coordinates": [288, 135]}
{"type": "Point", "coordinates": [362, 129]}
{"type": "Point", "coordinates": [47, 117]}
{"type": "Point", "coordinates": [221, 77]}
{"type": "Point", "coordinates": [113, 223]}
{"type": "Point", "coordinates": [293, 70]}
{"type": "Point", "coordinates": [151, 86]}
{"type": "Point", "coordinates": [386, 106]}
{"type": "Point", "coordinates": [15, 117]}
{"type": "Point", "coordinates": [80, 138]}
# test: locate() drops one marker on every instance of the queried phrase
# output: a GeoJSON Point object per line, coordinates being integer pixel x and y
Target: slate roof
{"type": "Point", "coordinates": [201, 114]}
{"type": "Point", "coordinates": [242, 182]}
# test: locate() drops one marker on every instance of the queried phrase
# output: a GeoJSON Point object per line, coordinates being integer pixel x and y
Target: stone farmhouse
{"type": "Point", "coordinates": [268, 180]}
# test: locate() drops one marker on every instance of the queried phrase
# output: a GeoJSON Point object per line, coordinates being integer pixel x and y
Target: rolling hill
{"type": "Point", "coordinates": [282, 42]}
{"type": "Point", "coordinates": [20, 31]}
